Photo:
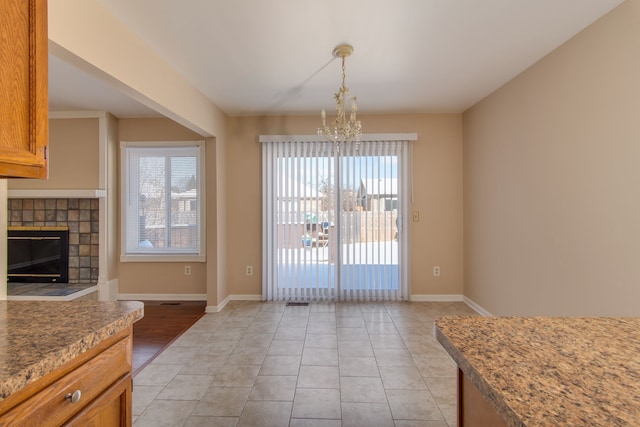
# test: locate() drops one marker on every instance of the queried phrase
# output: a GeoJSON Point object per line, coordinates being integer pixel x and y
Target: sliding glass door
{"type": "Point", "coordinates": [333, 220]}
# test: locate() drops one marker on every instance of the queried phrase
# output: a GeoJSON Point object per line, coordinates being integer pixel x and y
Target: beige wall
{"type": "Point", "coordinates": [551, 178]}
{"type": "Point", "coordinates": [159, 277]}
{"type": "Point", "coordinates": [73, 157]}
{"type": "Point", "coordinates": [437, 181]}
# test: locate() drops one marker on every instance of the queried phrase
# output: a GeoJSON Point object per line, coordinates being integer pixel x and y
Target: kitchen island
{"type": "Point", "coordinates": [66, 362]}
{"type": "Point", "coordinates": [545, 371]}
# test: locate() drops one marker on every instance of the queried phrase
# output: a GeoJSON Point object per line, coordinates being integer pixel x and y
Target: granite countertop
{"type": "Point", "coordinates": [550, 371]}
{"type": "Point", "coordinates": [36, 337]}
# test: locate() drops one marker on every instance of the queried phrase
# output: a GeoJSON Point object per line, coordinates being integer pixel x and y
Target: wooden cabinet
{"type": "Point", "coordinates": [473, 409]}
{"type": "Point", "coordinates": [23, 89]}
{"type": "Point", "coordinates": [112, 408]}
{"type": "Point", "coordinates": [92, 390]}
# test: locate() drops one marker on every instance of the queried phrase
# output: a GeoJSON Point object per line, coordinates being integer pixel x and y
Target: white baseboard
{"type": "Point", "coordinates": [476, 307]}
{"type": "Point", "coordinates": [416, 298]}
{"type": "Point", "coordinates": [245, 297]}
{"type": "Point", "coordinates": [162, 297]}
{"type": "Point", "coordinates": [241, 297]}
{"type": "Point", "coordinates": [108, 290]}
{"type": "Point", "coordinates": [452, 297]}
{"type": "Point", "coordinates": [217, 308]}
{"type": "Point", "coordinates": [432, 298]}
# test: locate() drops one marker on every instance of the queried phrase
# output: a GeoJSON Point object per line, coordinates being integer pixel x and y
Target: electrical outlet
{"type": "Point", "coordinates": [416, 216]}
{"type": "Point", "coordinates": [436, 270]}
{"type": "Point", "coordinates": [249, 270]}
{"type": "Point", "coordinates": [187, 270]}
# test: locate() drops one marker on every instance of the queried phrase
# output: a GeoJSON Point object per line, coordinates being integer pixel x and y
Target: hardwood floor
{"type": "Point", "coordinates": [163, 322]}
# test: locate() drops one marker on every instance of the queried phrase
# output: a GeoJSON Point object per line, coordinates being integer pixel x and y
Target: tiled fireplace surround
{"type": "Point", "coordinates": [82, 218]}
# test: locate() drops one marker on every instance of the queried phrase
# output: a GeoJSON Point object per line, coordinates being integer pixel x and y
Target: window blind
{"type": "Point", "coordinates": [333, 220]}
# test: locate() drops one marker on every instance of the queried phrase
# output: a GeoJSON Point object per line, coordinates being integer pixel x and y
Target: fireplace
{"type": "Point", "coordinates": [81, 216]}
{"type": "Point", "coordinates": [38, 254]}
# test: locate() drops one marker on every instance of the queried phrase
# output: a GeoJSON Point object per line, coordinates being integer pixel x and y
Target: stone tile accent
{"type": "Point", "coordinates": [82, 218]}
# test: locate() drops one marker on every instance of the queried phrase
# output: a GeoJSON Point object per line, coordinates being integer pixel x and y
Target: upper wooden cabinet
{"type": "Point", "coordinates": [24, 135]}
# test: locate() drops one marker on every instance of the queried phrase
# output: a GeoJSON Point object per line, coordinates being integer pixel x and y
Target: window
{"type": "Point", "coordinates": [162, 204]}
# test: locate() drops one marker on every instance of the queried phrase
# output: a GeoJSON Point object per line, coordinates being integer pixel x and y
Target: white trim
{"type": "Point", "coordinates": [108, 289]}
{"type": "Point", "coordinates": [318, 138]}
{"type": "Point", "coordinates": [57, 194]}
{"type": "Point", "coordinates": [163, 258]}
{"type": "Point", "coordinates": [414, 298]}
{"type": "Point", "coordinates": [169, 255]}
{"type": "Point", "coordinates": [451, 297]}
{"type": "Point", "coordinates": [153, 144]}
{"type": "Point", "coordinates": [241, 297]}
{"type": "Point", "coordinates": [217, 308]}
{"type": "Point", "coordinates": [476, 307]}
{"type": "Point", "coordinates": [245, 297]}
{"type": "Point", "coordinates": [162, 297]}
{"type": "Point", "coordinates": [435, 298]}
{"type": "Point", "coordinates": [69, 297]}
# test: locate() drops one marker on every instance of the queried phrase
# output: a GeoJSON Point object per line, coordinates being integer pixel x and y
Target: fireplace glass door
{"type": "Point", "coordinates": [38, 256]}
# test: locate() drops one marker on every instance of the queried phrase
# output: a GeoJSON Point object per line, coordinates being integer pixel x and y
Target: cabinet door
{"type": "Point", "coordinates": [112, 408]}
{"type": "Point", "coordinates": [23, 89]}
{"type": "Point", "coordinates": [473, 409]}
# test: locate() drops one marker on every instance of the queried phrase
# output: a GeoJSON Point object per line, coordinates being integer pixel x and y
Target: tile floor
{"type": "Point", "coordinates": [328, 364]}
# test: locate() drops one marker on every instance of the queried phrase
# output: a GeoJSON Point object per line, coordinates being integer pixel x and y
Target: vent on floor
{"type": "Point", "coordinates": [170, 303]}
{"type": "Point", "coordinates": [297, 304]}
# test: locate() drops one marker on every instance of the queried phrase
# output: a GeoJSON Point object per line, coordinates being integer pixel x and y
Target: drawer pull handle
{"type": "Point", "coordinates": [75, 397]}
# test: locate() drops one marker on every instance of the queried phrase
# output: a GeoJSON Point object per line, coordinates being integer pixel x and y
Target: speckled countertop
{"type": "Point", "coordinates": [37, 337]}
{"type": "Point", "coordinates": [550, 371]}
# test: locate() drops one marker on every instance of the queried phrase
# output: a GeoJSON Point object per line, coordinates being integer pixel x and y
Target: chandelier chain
{"type": "Point", "coordinates": [344, 73]}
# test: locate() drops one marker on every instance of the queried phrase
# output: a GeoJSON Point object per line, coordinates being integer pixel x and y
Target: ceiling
{"type": "Point", "coordinates": [254, 57]}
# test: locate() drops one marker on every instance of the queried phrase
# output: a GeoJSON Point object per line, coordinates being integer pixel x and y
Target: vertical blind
{"type": "Point", "coordinates": [333, 219]}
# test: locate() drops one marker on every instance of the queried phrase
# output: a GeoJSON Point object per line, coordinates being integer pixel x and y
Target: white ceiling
{"type": "Point", "coordinates": [275, 56]}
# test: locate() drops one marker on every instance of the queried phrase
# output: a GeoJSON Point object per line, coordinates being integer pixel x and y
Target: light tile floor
{"type": "Point", "coordinates": [325, 365]}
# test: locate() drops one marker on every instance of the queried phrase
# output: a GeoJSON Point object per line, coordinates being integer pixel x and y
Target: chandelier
{"type": "Point", "coordinates": [342, 130]}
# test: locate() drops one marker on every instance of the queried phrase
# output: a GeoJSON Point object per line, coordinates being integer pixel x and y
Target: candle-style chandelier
{"type": "Point", "coordinates": [342, 130]}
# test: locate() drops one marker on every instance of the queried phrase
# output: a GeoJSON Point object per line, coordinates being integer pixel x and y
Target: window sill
{"type": "Point", "coordinates": [163, 258]}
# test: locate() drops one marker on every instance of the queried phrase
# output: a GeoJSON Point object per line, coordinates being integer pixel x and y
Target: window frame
{"type": "Point", "coordinates": [125, 181]}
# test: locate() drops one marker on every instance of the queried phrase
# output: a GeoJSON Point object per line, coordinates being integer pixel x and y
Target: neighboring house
{"type": "Point", "coordinates": [297, 201]}
{"type": "Point", "coordinates": [378, 194]}
{"type": "Point", "coordinates": [184, 208]}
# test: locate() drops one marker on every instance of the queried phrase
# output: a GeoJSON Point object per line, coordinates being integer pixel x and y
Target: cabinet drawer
{"type": "Point", "coordinates": [50, 407]}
